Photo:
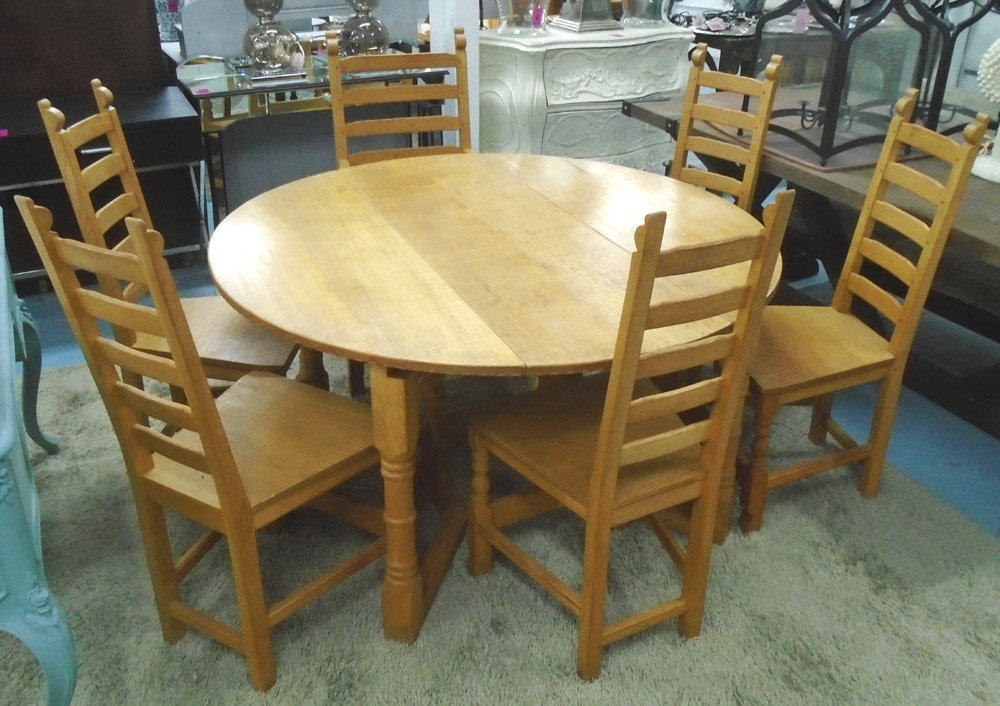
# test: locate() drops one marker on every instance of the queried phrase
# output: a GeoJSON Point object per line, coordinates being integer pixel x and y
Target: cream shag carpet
{"type": "Point", "coordinates": [838, 600]}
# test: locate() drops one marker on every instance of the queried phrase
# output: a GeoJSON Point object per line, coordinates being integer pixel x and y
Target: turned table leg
{"type": "Point", "coordinates": [395, 421]}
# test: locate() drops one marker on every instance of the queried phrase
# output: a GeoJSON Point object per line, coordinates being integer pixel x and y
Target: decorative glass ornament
{"type": "Point", "coordinates": [363, 34]}
{"type": "Point", "coordinates": [270, 46]}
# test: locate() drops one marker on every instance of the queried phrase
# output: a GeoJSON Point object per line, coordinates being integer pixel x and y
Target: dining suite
{"type": "Point", "coordinates": [464, 264]}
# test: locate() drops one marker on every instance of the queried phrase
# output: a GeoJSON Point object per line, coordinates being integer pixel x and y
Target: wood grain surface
{"type": "Point", "coordinates": [472, 263]}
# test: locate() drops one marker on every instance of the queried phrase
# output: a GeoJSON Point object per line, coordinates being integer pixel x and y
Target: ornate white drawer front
{"type": "Point", "coordinates": [598, 133]}
{"type": "Point", "coordinates": [591, 74]}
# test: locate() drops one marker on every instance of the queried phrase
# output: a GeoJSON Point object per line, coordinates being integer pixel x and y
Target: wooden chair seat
{"type": "Point", "coordinates": [288, 465]}
{"type": "Point", "coordinates": [551, 435]}
{"type": "Point", "coordinates": [228, 343]}
{"type": "Point", "coordinates": [802, 345]}
{"type": "Point", "coordinates": [806, 354]}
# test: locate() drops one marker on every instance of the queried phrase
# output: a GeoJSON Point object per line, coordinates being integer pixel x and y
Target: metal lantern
{"type": "Point", "coordinates": [846, 65]}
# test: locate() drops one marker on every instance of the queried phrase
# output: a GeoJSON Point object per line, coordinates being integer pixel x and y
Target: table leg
{"type": "Point", "coordinates": [395, 419]}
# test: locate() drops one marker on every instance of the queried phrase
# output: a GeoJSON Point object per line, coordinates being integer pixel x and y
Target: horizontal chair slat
{"type": "Point", "coordinates": [145, 364]}
{"type": "Point", "coordinates": [400, 153]}
{"type": "Point", "coordinates": [876, 296]}
{"type": "Point", "coordinates": [722, 81]}
{"type": "Point", "coordinates": [696, 308]}
{"type": "Point", "coordinates": [710, 180]}
{"type": "Point", "coordinates": [385, 62]}
{"type": "Point", "coordinates": [567, 596]}
{"type": "Point", "coordinates": [723, 116]}
{"type": "Point", "coordinates": [87, 130]}
{"type": "Point", "coordinates": [100, 261]}
{"type": "Point", "coordinates": [641, 621]}
{"type": "Point", "coordinates": [689, 355]}
{"type": "Point", "coordinates": [171, 448]}
{"type": "Point", "coordinates": [397, 126]}
{"type": "Point", "coordinates": [663, 444]}
{"type": "Point", "coordinates": [901, 221]}
{"type": "Point", "coordinates": [168, 411]}
{"type": "Point", "coordinates": [933, 143]}
{"type": "Point", "coordinates": [719, 149]}
{"type": "Point", "coordinates": [674, 401]}
{"type": "Point", "coordinates": [116, 210]}
{"type": "Point", "coordinates": [695, 258]}
{"type": "Point", "coordinates": [402, 93]}
{"type": "Point", "coordinates": [926, 187]}
{"type": "Point", "coordinates": [887, 258]}
{"type": "Point", "coordinates": [208, 625]}
{"type": "Point", "coordinates": [102, 170]}
{"type": "Point", "coordinates": [121, 313]}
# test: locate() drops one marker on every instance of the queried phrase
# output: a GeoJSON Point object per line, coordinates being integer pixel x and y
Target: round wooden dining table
{"type": "Point", "coordinates": [473, 264]}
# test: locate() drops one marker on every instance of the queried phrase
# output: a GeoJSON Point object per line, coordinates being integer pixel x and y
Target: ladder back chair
{"type": "Point", "coordinates": [808, 353]}
{"type": "Point", "coordinates": [348, 126]}
{"type": "Point", "coordinates": [755, 123]}
{"type": "Point", "coordinates": [614, 450]}
{"type": "Point", "coordinates": [106, 192]}
{"type": "Point", "coordinates": [382, 94]}
{"type": "Point", "coordinates": [267, 446]}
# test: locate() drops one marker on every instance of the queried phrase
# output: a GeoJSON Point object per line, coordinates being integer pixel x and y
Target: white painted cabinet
{"type": "Point", "coordinates": [560, 93]}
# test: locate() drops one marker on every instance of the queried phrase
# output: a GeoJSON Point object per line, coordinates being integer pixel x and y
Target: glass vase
{"type": "Point", "coordinates": [363, 33]}
{"type": "Point", "coordinates": [521, 17]}
{"type": "Point", "coordinates": [269, 45]}
{"type": "Point", "coordinates": [642, 12]}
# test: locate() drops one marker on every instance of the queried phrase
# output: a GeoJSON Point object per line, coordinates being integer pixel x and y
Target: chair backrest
{"type": "Point", "coordinates": [624, 437]}
{"type": "Point", "coordinates": [130, 408]}
{"type": "Point", "coordinates": [385, 94]}
{"type": "Point", "coordinates": [754, 123]}
{"type": "Point", "coordinates": [104, 192]}
{"type": "Point", "coordinates": [923, 241]}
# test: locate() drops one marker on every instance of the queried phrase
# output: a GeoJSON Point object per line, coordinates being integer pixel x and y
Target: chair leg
{"type": "Point", "coordinates": [820, 414]}
{"type": "Point", "coordinates": [878, 438]}
{"type": "Point", "coordinates": [753, 479]}
{"type": "Point", "coordinates": [311, 370]}
{"type": "Point", "coordinates": [480, 512]}
{"type": "Point", "coordinates": [160, 560]}
{"type": "Point", "coordinates": [595, 588]}
{"type": "Point", "coordinates": [253, 609]}
{"type": "Point", "coordinates": [355, 378]}
{"type": "Point", "coordinates": [727, 481]}
{"type": "Point", "coordinates": [699, 551]}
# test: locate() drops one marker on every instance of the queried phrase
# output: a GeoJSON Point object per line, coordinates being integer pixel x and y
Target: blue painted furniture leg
{"type": "Point", "coordinates": [31, 355]}
{"type": "Point", "coordinates": [27, 609]}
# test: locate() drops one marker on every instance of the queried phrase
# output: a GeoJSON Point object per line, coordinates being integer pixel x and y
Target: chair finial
{"type": "Point", "coordinates": [773, 67]}
{"type": "Point", "coordinates": [102, 94]}
{"type": "Point", "coordinates": [699, 55]}
{"type": "Point", "coordinates": [974, 131]}
{"type": "Point", "coordinates": [460, 40]}
{"type": "Point", "coordinates": [907, 104]}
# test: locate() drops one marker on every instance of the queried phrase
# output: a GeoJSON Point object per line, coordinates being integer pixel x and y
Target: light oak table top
{"type": "Point", "coordinates": [475, 263]}
{"type": "Point", "coordinates": [482, 264]}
